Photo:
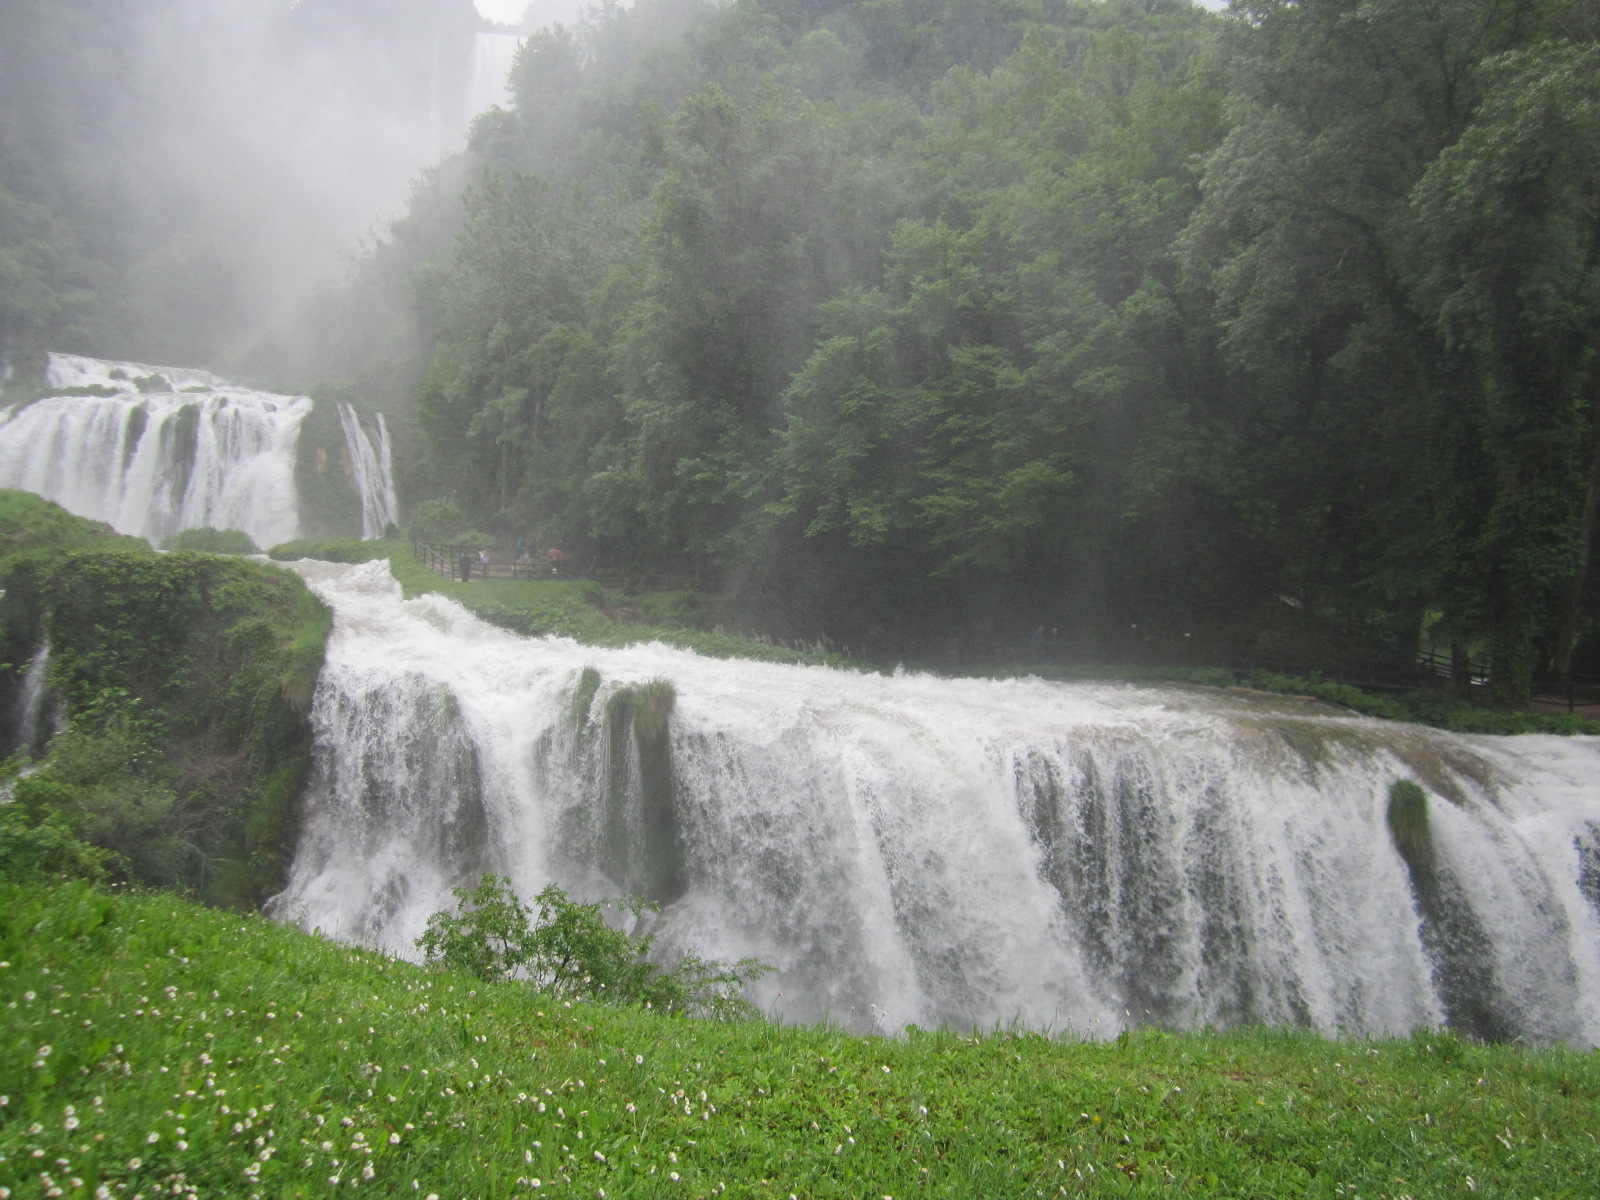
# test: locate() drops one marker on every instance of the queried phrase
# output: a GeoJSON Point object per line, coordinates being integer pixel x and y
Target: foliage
{"type": "Point", "coordinates": [29, 522]}
{"type": "Point", "coordinates": [569, 951]}
{"type": "Point", "coordinates": [986, 1113]}
{"type": "Point", "coordinates": [344, 550]}
{"type": "Point", "coordinates": [38, 843]}
{"type": "Point", "coordinates": [186, 680]}
{"type": "Point", "coordinates": [1423, 707]}
{"type": "Point", "coordinates": [920, 322]}
{"type": "Point", "coordinates": [1408, 821]}
{"type": "Point", "coordinates": [212, 541]}
{"type": "Point", "coordinates": [917, 324]}
{"type": "Point", "coordinates": [437, 521]}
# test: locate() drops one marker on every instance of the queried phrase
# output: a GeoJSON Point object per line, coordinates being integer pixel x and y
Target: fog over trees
{"type": "Point", "coordinates": [918, 322]}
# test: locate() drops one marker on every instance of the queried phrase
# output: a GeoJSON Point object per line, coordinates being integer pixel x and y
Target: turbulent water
{"type": "Point", "coordinates": [153, 450]}
{"type": "Point", "coordinates": [911, 850]}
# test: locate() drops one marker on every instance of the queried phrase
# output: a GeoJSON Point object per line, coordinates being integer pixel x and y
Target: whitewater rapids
{"type": "Point", "coordinates": [913, 850]}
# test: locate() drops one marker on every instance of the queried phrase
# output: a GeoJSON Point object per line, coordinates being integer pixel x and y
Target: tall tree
{"type": "Point", "coordinates": [1509, 269]}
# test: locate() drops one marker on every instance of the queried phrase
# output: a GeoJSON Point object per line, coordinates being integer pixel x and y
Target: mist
{"type": "Point", "coordinates": [207, 163]}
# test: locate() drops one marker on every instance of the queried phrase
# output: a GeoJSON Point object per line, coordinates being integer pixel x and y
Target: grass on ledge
{"type": "Point", "coordinates": [149, 1047]}
{"type": "Point", "coordinates": [573, 608]}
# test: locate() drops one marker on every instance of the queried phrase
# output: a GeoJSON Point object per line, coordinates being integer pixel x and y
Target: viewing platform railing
{"type": "Point", "coordinates": [446, 562]}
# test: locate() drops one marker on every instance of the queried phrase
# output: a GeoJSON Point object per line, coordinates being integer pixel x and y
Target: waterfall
{"type": "Point", "coordinates": [152, 450]}
{"type": "Point", "coordinates": [488, 85]}
{"type": "Point", "coordinates": [912, 850]}
{"type": "Point", "coordinates": [373, 468]}
{"type": "Point", "coordinates": [39, 720]}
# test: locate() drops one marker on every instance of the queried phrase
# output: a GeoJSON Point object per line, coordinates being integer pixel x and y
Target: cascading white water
{"type": "Point", "coordinates": [488, 83]}
{"type": "Point", "coordinates": [152, 450]}
{"type": "Point", "coordinates": [373, 466]}
{"type": "Point", "coordinates": [954, 852]}
{"type": "Point", "coordinates": [38, 720]}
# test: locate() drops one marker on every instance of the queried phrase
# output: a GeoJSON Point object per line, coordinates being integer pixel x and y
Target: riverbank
{"type": "Point", "coordinates": [587, 612]}
{"type": "Point", "coordinates": [149, 1043]}
{"type": "Point", "coordinates": [580, 609]}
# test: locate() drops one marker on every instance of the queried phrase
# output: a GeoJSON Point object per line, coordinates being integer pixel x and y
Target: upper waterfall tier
{"type": "Point", "coordinates": [153, 450]}
{"type": "Point", "coordinates": [954, 852]}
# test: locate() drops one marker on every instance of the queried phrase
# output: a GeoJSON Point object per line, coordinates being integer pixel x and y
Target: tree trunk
{"type": "Point", "coordinates": [1567, 635]}
{"type": "Point", "coordinates": [1460, 671]}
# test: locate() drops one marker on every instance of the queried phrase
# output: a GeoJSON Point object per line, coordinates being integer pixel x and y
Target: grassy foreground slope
{"type": "Point", "coordinates": [148, 1046]}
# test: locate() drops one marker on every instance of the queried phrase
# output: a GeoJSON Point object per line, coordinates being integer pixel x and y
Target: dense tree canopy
{"type": "Point", "coordinates": [925, 322]}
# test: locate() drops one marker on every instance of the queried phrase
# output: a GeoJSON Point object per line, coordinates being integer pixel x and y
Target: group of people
{"type": "Point", "coordinates": [524, 558]}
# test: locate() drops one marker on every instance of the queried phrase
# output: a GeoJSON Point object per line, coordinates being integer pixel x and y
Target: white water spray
{"type": "Point", "coordinates": [39, 718]}
{"type": "Point", "coordinates": [152, 450]}
{"type": "Point", "coordinates": [372, 464]}
{"type": "Point", "coordinates": [951, 852]}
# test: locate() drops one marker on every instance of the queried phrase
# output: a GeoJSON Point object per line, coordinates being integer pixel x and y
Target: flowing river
{"type": "Point", "coordinates": [913, 850]}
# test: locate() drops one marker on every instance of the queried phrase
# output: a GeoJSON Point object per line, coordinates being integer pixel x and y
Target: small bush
{"type": "Point", "coordinates": [212, 541]}
{"type": "Point", "coordinates": [570, 951]}
{"type": "Point", "coordinates": [341, 550]}
{"type": "Point", "coordinates": [1408, 821]}
{"type": "Point", "coordinates": [437, 521]}
{"type": "Point", "coordinates": [39, 844]}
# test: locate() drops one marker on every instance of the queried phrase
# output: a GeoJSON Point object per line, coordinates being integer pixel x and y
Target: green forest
{"type": "Point", "coordinates": [918, 324]}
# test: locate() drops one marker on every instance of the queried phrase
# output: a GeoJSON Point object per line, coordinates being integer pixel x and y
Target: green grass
{"type": "Point", "coordinates": [211, 541]}
{"type": "Point", "coordinates": [151, 1047]}
{"type": "Point", "coordinates": [574, 608]}
{"type": "Point", "coordinates": [29, 522]}
{"type": "Point", "coordinates": [1421, 707]}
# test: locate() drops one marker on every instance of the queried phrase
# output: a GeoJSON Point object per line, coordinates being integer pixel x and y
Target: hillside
{"type": "Point", "coordinates": [149, 1045]}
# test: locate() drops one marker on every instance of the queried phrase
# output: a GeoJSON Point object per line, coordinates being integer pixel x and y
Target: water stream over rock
{"type": "Point", "coordinates": [915, 850]}
{"type": "Point", "coordinates": [154, 450]}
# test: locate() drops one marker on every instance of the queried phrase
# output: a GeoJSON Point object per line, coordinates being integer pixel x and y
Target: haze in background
{"type": "Point", "coordinates": [175, 175]}
{"type": "Point", "coordinates": [529, 15]}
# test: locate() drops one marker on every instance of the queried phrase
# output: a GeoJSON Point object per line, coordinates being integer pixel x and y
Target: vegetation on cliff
{"type": "Point", "coordinates": [182, 683]}
{"type": "Point", "coordinates": [926, 322]}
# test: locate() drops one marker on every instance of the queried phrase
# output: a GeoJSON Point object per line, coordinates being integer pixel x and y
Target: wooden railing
{"type": "Point", "coordinates": [447, 562]}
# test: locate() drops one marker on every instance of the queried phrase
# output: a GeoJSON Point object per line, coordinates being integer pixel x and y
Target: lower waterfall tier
{"type": "Point", "coordinates": [914, 850]}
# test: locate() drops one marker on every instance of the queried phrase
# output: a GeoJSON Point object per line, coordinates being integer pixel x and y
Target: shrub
{"type": "Point", "coordinates": [212, 541]}
{"type": "Point", "coordinates": [340, 550]}
{"type": "Point", "coordinates": [1408, 820]}
{"type": "Point", "coordinates": [571, 952]}
{"type": "Point", "coordinates": [39, 844]}
{"type": "Point", "coordinates": [475, 539]}
{"type": "Point", "coordinates": [437, 521]}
